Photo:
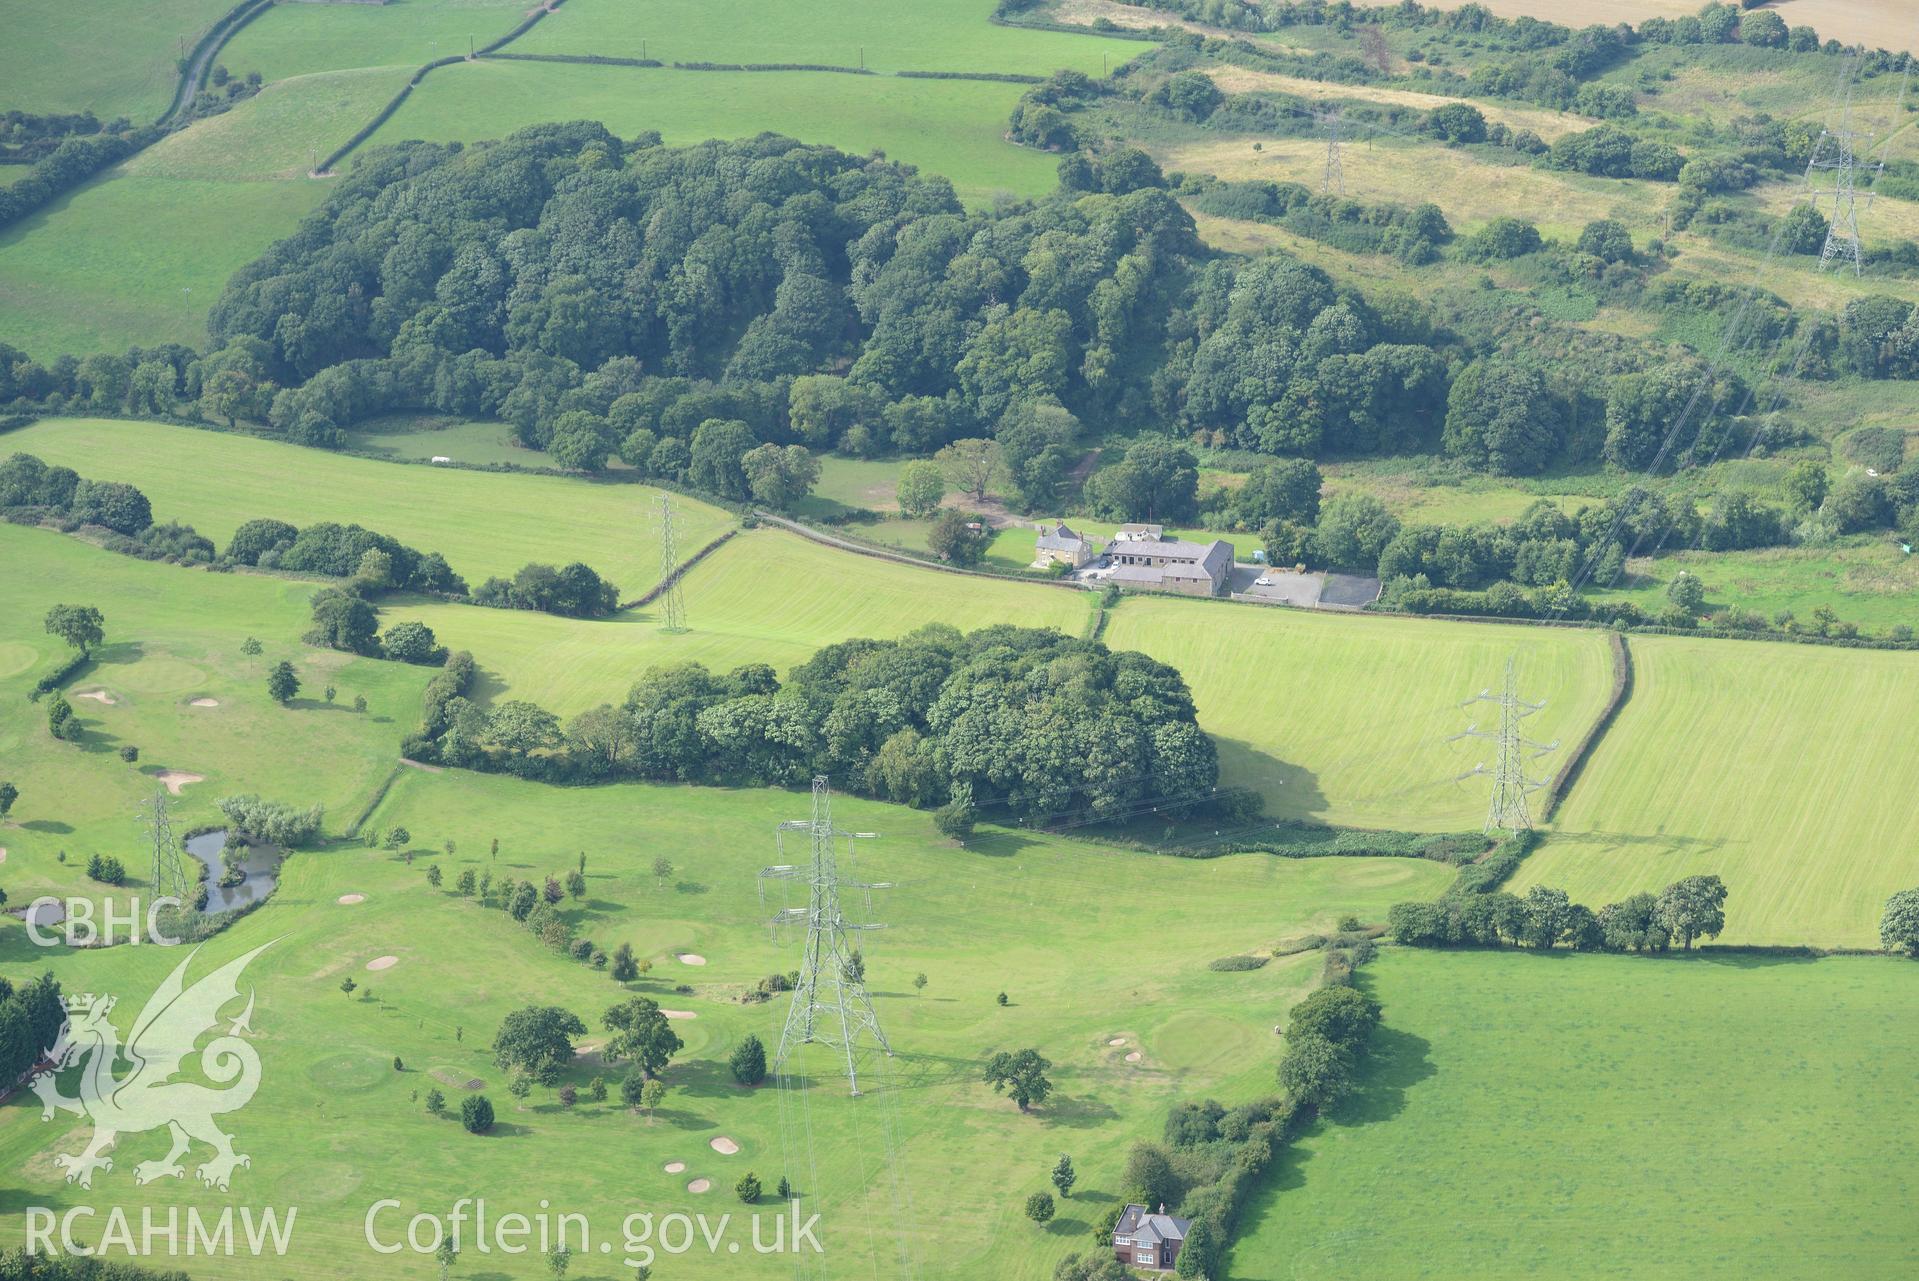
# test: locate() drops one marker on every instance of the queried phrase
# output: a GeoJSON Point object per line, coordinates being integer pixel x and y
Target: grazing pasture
{"type": "Point", "coordinates": [110, 57]}
{"type": "Point", "coordinates": [482, 522]}
{"type": "Point", "coordinates": [126, 260]}
{"type": "Point", "coordinates": [1524, 1115]}
{"type": "Point", "coordinates": [1344, 719]}
{"type": "Point", "coordinates": [950, 127]}
{"type": "Point", "coordinates": [938, 35]}
{"type": "Point", "coordinates": [765, 597]}
{"type": "Point", "coordinates": [1773, 766]}
{"type": "Point", "coordinates": [299, 39]}
{"type": "Point", "coordinates": [927, 1152]}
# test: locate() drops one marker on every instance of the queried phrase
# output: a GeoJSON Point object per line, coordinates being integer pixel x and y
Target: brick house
{"type": "Point", "coordinates": [1153, 1241]}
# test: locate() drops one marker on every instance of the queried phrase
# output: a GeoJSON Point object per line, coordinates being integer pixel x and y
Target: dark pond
{"type": "Point", "coordinates": [262, 868]}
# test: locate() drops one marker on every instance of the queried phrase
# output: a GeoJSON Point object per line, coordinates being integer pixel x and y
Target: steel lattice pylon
{"type": "Point", "coordinates": [1508, 811]}
{"type": "Point", "coordinates": [1838, 150]}
{"type": "Point", "coordinates": [169, 876]}
{"type": "Point", "coordinates": [830, 1005]}
{"type": "Point", "coordinates": [1335, 179]}
{"type": "Point", "coordinates": [672, 604]}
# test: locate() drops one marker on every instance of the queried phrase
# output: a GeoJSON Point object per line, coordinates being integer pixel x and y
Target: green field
{"type": "Point", "coordinates": [1525, 1116]}
{"type": "Point", "coordinates": [279, 132]}
{"type": "Point", "coordinates": [1344, 719]}
{"type": "Point", "coordinates": [482, 522]}
{"type": "Point", "coordinates": [299, 39]}
{"type": "Point", "coordinates": [1868, 581]}
{"type": "Point", "coordinates": [111, 57]}
{"type": "Point", "coordinates": [422, 438]}
{"type": "Point", "coordinates": [941, 35]}
{"type": "Point", "coordinates": [765, 597]}
{"type": "Point", "coordinates": [174, 635]}
{"type": "Point", "coordinates": [126, 261]}
{"type": "Point", "coordinates": [1783, 786]}
{"type": "Point", "coordinates": [950, 127]}
{"type": "Point", "coordinates": [928, 1151]}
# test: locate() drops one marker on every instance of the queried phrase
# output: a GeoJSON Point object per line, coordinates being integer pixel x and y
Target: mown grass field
{"type": "Point", "coordinates": [279, 132]}
{"type": "Point", "coordinates": [128, 260]}
{"type": "Point", "coordinates": [765, 597]}
{"type": "Point", "coordinates": [949, 127]}
{"type": "Point", "coordinates": [1776, 767]}
{"type": "Point", "coordinates": [1524, 1116]}
{"type": "Point", "coordinates": [482, 522]}
{"type": "Point", "coordinates": [940, 35]}
{"type": "Point", "coordinates": [1344, 718]}
{"type": "Point", "coordinates": [927, 1153]}
{"type": "Point", "coordinates": [173, 635]}
{"type": "Point", "coordinates": [111, 57]}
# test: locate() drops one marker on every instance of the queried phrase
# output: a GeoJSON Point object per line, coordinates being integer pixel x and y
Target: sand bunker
{"type": "Point", "coordinates": [691, 958]}
{"type": "Point", "coordinates": [175, 779]}
{"type": "Point", "coordinates": [724, 1146]}
{"type": "Point", "coordinates": [99, 696]}
{"type": "Point", "coordinates": [1118, 1040]}
{"type": "Point", "coordinates": [1133, 1057]}
{"type": "Point", "coordinates": [204, 702]}
{"type": "Point", "coordinates": [383, 962]}
{"type": "Point", "coordinates": [679, 1014]}
{"type": "Point", "coordinates": [351, 898]}
{"type": "Point", "coordinates": [700, 1185]}
{"type": "Point", "coordinates": [676, 1167]}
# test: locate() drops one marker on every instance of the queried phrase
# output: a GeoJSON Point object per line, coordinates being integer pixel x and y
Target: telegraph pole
{"type": "Point", "coordinates": [1837, 151]}
{"type": "Point", "coordinates": [169, 877]}
{"type": "Point", "coordinates": [830, 1004]}
{"type": "Point", "coordinates": [1508, 811]}
{"type": "Point", "coordinates": [672, 604]}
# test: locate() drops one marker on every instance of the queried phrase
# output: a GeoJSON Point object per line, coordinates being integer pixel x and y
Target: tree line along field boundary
{"type": "Point", "coordinates": [1589, 742]}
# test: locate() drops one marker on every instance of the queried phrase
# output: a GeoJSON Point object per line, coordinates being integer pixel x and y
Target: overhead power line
{"type": "Point", "coordinates": [1508, 811]}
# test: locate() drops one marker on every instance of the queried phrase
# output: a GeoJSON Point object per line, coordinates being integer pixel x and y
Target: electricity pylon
{"type": "Point", "coordinates": [1837, 151]}
{"type": "Point", "coordinates": [1508, 812]}
{"type": "Point", "coordinates": [672, 604]}
{"type": "Point", "coordinates": [1335, 179]}
{"type": "Point", "coordinates": [169, 877]}
{"type": "Point", "coordinates": [830, 1005]}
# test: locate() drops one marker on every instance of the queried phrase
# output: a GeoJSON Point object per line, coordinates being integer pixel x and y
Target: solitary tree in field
{"type": "Point", "coordinates": [919, 983]}
{"type": "Point", "coordinates": [558, 1259]}
{"type": "Point", "coordinates": [80, 626]}
{"type": "Point", "coordinates": [1064, 1176]}
{"type": "Point", "coordinates": [1899, 927]}
{"type": "Point", "coordinates": [970, 464]}
{"type": "Point", "coordinates": [748, 1061]}
{"type": "Point", "coordinates": [748, 1188]}
{"type": "Point", "coordinates": [642, 1034]}
{"type": "Point", "coordinates": [1022, 1076]}
{"type": "Point", "coordinates": [1687, 592]}
{"type": "Point", "coordinates": [1693, 908]}
{"type": "Point", "coordinates": [662, 868]}
{"type": "Point", "coordinates": [576, 884]}
{"type": "Point", "coordinates": [283, 683]}
{"type": "Point", "coordinates": [1039, 1207]}
{"type": "Point", "coordinates": [921, 487]}
{"type": "Point", "coordinates": [8, 795]}
{"type": "Point", "coordinates": [445, 1256]}
{"type": "Point", "coordinates": [625, 970]}
{"type": "Point", "coordinates": [652, 1094]}
{"type": "Point", "coordinates": [476, 1113]}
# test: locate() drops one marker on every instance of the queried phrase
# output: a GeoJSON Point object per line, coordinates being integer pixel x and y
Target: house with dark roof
{"type": "Point", "coordinates": [1057, 544]}
{"type": "Point", "coordinates": [1144, 1240]}
{"type": "Point", "coordinates": [1170, 564]}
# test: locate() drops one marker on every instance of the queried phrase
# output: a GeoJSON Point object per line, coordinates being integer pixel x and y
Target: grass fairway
{"type": "Point", "coordinates": [765, 597]}
{"type": "Point", "coordinates": [1345, 719]}
{"type": "Point", "coordinates": [173, 635]}
{"type": "Point", "coordinates": [1787, 788]}
{"type": "Point", "coordinates": [1526, 1116]}
{"type": "Point", "coordinates": [934, 35]}
{"type": "Point", "coordinates": [949, 127]}
{"type": "Point", "coordinates": [335, 1127]}
{"type": "Point", "coordinates": [112, 57]}
{"type": "Point", "coordinates": [126, 261]}
{"type": "Point", "coordinates": [482, 522]}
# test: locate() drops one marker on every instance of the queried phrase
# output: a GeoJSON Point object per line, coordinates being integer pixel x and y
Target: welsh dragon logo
{"type": "Point", "coordinates": [148, 1096]}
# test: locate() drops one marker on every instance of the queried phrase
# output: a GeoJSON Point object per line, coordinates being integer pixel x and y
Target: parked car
{"type": "Point", "coordinates": [1262, 581]}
